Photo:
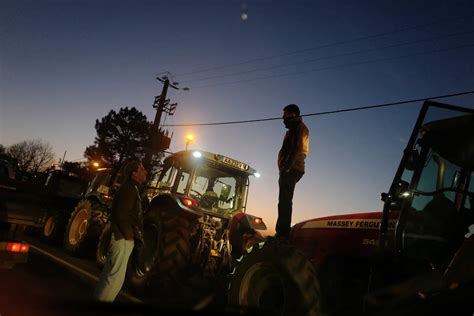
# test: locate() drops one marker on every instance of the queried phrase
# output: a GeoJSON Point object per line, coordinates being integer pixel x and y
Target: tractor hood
{"type": "Point", "coordinates": [346, 235]}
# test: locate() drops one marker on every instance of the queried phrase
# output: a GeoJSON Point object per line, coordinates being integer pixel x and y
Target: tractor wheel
{"type": "Point", "coordinates": [275, 277]}
{"type": "Point", "coordinates": [53, 227]}
{"type": "Point", "coordinates": [103, 246]}
{"type": "Point", "coordinates": [83, 229]}
{"type": "Point", "coordinates": [166, 252]}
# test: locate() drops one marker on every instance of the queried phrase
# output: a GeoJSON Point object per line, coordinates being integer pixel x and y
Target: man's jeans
{"type": "Point", "coordinates": [113, 275]}
{"type": "Point", "coordinates": [286, 183]}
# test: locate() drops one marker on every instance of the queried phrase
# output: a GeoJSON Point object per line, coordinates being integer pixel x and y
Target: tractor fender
{"type": "Point", "coordinates": [94, 199]}
{"type": "Point", "coordinates": [249, 221]}
{"type": "Point", "coordinates": [174, 203]}
{"type": "Point", "coordinates": [243, 232]}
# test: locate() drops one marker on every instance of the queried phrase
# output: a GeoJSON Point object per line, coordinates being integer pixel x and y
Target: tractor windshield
{"type": "Point", "coordinates": [100, 183]}
{"type": "Point", "coordinates": [216, 187]}
{"type": "Point", "coordinates": [440, 210]}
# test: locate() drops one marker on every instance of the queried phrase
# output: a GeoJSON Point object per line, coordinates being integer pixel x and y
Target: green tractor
{"type": "Point", "coordinates": [195, 223]}
{"type": "Point", "coordinates": [91, 213]}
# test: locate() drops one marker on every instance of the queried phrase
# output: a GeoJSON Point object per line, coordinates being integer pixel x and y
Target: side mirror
{"type": "Point", "coordinates": [413, 159]}
{"type": "Point", "coordinates": [383, 196]}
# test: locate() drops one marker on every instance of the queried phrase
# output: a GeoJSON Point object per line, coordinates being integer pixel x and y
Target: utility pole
{"type": "Point", "coordinates": [159, 139]}
{"type": "Point", "coordinates": [161, 105]}
{"type": "Point", "coordinates": [64, 157]}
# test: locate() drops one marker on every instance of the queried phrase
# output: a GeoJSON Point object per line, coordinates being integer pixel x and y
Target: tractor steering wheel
{"type": "Point", "coordinates": [197, 195]}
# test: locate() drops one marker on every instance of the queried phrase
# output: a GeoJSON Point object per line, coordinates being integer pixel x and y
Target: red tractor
{"type": "Point", "coordinates": [421, 243]}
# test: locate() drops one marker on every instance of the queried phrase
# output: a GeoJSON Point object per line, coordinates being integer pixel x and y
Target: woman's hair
{"type": "Point", "coordinates": [130, 167]}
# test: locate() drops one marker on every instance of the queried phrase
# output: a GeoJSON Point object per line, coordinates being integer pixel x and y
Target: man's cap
{"type": "Point", "coordinates": [292, 108]}
{"type": "Point", "coordinates": [130, 167]}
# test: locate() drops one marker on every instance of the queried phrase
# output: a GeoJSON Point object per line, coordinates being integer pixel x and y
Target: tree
{"type": "Point", "coordinates": [120, 136]}
{"type": "Point", "coordinates": [2, 149]}
{"type": "Point", "coordinates": [32, 155]}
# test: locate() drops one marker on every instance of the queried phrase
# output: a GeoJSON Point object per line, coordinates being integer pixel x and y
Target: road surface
{"type": "Point", "coordinates": [52, 283]}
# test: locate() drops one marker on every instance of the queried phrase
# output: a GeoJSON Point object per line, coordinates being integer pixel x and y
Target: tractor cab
{"type": "Point", "coordinates": [433, 190]}
{"type": "Point", "coordinates": [212, 183]}
{"type": "Point", "coordinates": [104, 184]}
{"type": "Point", "coordinates": [196, 219]}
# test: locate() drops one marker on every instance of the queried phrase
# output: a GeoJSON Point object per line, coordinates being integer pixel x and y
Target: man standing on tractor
{"type": "Point", "coordinates": [291, 165]}
{"type": "Point", "coordinates": [126, 227]}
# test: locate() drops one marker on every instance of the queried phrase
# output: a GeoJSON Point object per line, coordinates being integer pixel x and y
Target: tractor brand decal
{"type": "Point", "coordinates": [232, 162]}
{"type": "Point", "coordinates": [349, 223]}
{"type": "Point", "coordinates": [370, 242]}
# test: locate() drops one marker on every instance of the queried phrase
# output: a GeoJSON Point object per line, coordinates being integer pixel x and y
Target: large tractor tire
{"type": "Point", "coordinates": [83, 229]}
{"type": "Point", "coordinates": [274, 277]}
{"type": "Point", "coordinates": [103, 246]}
{"type": "Point", "coordinates": [53, 227]}
{"type": "Point", "coordinates": [165, 254]}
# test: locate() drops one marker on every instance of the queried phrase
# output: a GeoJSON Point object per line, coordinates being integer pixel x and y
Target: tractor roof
{"type": "Point", "coordinates": [453, 139]}
{"type": "Point", "coordinates": [213, 157]}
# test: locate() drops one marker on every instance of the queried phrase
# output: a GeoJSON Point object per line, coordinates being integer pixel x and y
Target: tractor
{"type": "Point", "coordinates": [195, 222]}
{"type": "Point", "coordinates": [91, 213]}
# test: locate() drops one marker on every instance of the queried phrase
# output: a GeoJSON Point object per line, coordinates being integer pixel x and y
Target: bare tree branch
{"type": "Point", "coordinates": [32, 155]}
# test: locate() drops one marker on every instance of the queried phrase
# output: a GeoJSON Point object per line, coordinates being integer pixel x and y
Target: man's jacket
{"type": "Point", "coordinates": [295, 146]}
{"type": "Point", "coordinates": [126, 211]}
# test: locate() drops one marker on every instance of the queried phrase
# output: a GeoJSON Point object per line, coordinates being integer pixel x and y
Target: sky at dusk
{"type": "Point", "coordinates": [65, 63]}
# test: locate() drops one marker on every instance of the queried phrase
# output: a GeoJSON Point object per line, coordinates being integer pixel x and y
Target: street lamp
{"type": "Point", "coordinates": [189, 138]}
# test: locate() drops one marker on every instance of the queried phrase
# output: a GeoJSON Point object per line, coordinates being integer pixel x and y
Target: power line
{"type": "Point", "coordinates": [357, 39]}
{"type": "Point", "coordinates": [331, 57]}
{"type": "Point", "coordinates": [330, 112]}
{"type": "Point", "coordinates": [335, 67]}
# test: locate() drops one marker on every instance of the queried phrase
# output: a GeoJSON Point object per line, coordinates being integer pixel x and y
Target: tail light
{"type": "Point", "coordinates": [189, 202]}
{"type": "Point", "coordinates": [17, 247]}
{"type": "Point", "coordinates": [257, 220]}
{"type": "Point", "coordinates": [250, 221]}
